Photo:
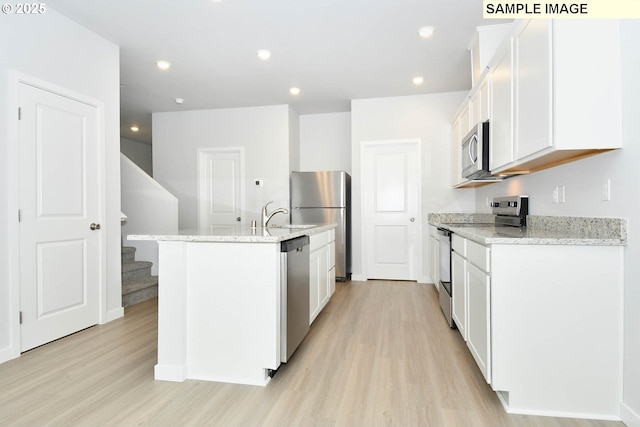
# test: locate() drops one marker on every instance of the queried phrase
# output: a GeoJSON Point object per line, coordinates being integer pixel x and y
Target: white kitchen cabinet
{"type": "Point", "coordinates": [478, 318]}
{"type": "Point", "coordinates": [562, 107]}
{"type": "Point", "coordinates": [459, 290]}
{"type": "Point", "coordinates": [501, 125]}
{"type": "Point", "coordinates": [321, 271]}
{"type": "Point", "coordinates": [480, 105]}
{"type": "Point", "coordinates": [470, 264]}
{"type": "Point", "coordinates": [457, 134]}
{"type": "Point", "coordinates": [532, 82]}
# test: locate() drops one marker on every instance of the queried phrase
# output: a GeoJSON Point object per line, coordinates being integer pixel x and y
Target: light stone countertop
{"type": "Point", "coordinates": [541, 230]}
{"type": "Point", "coordinates": [237, 234]}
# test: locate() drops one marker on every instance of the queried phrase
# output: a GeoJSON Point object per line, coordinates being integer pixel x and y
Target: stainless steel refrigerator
{"type": "Point", "coordinates": [323, 198]}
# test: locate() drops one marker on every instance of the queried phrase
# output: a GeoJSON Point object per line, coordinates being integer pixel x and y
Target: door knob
{"type": "Point", "coordinates": [412, 219]}
{"type": "Point", "coordinates": [94, 226]}
{"type": "Point", "coordinates": [238, 219]}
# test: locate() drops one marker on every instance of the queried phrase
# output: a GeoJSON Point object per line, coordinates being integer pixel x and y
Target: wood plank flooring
{"type": "Point", "coordinates": [380, 354]}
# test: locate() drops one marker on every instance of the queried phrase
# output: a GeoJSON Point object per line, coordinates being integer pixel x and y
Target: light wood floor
{"type": "Point", "coordinates": [380, 354]}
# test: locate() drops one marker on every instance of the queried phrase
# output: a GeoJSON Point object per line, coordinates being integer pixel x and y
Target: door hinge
{"type": "Point", "coordinates": [21, 318]}
{"type": "Point", "coordinates": [19, 215]}
{"type": "Point", "coordinates": [19, 113]}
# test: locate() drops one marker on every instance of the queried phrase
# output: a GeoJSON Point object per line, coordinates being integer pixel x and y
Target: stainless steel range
{"type": "Point", "coordinates": [509, 211]}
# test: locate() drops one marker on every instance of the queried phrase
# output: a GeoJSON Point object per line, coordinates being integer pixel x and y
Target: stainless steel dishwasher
{"type": "Point", "coordinates": [294, 273]}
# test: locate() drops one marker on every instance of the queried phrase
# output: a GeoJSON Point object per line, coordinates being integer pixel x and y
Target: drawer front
{"type": "Point", "coordinates": [479, 255]}
{"type": "Point", "coordinates": [318, 240]}
{"type": "Point", "coordinates": [332, 235]}
{"type": "Point", "coordinates": [459, 244]}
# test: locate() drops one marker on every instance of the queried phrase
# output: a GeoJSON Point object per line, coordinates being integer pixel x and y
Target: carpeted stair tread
{"type": "Point", "coordinates": [128, 254]}
{"type": "Point", "coordinates": [134, 285]}
{"type": "Point", "coordinates": [138, 284]}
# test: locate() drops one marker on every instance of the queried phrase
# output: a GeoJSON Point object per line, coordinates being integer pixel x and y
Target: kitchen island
{"type": "Point", "coordinates": [219, 305]}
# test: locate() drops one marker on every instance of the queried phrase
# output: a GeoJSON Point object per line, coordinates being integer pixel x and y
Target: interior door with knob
{"type": "Point", "coordinates": [392, 225]}
{"type": "Point", "coordinates": [219, 187]}
{"type": "Point", "coordinates": [60, 239]}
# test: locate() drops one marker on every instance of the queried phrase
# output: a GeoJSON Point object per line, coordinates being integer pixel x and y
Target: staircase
{"type": "Point", "coordinates": [137, 282]}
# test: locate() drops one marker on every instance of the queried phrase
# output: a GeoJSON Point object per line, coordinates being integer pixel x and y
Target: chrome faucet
{"type": "Point", "coordinates": [267, 217]}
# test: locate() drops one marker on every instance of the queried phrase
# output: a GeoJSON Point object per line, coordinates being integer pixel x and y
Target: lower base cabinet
{"type": "Point", "coordinates": [479, 321]}
{"type": "Point", "coordinates": [544, 325]}
{"type": "Point", "coordinates": [322, 272]}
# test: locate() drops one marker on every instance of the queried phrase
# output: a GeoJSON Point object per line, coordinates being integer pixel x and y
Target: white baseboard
{"type": "Point", "coordinates": [628, 416]}
{"type": "Point", "coordinates": [113, 315]}
{"type": "Point", "coordinates": [6, 354]}
{"type": "Point", "coordinates": [170, 373]}
{"type": "Point", "coordinates": [504, 399]}
{"type": "Point", "coordinates": [358, 278]}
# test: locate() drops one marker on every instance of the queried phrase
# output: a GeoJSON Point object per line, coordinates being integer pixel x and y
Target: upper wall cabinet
{"type": "Point", "coordinates": [552, 94]}
{"type": "Point", "coordinates": [476, 108]}
{"type": "Point", "coordinates": [566, 94]}
{"type": "Point", "coordinates": [501, 124]}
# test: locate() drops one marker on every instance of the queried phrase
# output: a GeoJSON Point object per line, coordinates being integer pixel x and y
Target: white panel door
{"type": "Point", "coordinates": [219, 181]}
{"type": "Point", "coordinates": [391, 210]}
{"type": "Point", "coordinates": [59, 200]}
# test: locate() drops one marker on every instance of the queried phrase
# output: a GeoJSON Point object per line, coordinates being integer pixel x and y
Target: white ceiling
{"type": "Point", "coordinates": [333, 50]}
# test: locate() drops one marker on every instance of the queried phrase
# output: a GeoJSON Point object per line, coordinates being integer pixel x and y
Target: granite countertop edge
{"type": "Point", "coordinates": [543, 230]}
{"type": "Point", "coordinates": [235, 234]}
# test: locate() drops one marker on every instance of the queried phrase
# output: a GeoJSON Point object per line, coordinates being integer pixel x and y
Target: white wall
{"type": "Point", "coordinates": [325, 142]}
{"type": "Point", "coordinates": [138, 153]}
{"type": "Point", "coordinates": [52, 48]}
{"type": "Point", "coordinates": [150, 209]}
{"type": "Point", "coordinates": [294, 141]}
{"type": "Point", "coordinates": [264, 132]}
{"type": "Point", "coordinates": [583, 182]}
{"type": "Point", "coordinates": [422, 116]}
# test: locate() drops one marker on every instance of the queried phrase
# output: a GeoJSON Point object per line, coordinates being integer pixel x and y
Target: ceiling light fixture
{"type": "Point", "coordinates": [426, 31]}
{"type": "Point", "coordinates": [179, 100]}
{"type": "Point", "coordinates": [294, 91]}
{"type": "Point", "coordinates": [163, 65]}
{"type": "Point", "coordinates": [264, 54]}
{"type": "Point", "coordinates": [418, 80]}
{"type": "Point", "coordinates": [135, 128]}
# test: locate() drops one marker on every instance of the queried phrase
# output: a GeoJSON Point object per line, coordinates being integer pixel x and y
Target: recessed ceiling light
{"type": "Point", "coordinates": [135, 128]}
{"type": "Point", "coordinates": [264, 54]}
{"type": "Point", "coordinates": [163, 65]}
{"type": "Point", "coordinates": [418, 80]}
{"type": "Point", "coordinates": [426, 31]}
{"type": "Point", "coordinates": [294, 91]}
{"type": "Point", "coordinates": [179, 100]}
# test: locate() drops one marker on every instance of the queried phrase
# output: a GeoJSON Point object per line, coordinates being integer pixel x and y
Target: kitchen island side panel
{"type": "Point", "coordinates": [231, 310]}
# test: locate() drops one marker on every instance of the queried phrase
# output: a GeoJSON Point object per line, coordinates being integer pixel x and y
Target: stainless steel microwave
{"type": "Point", "coordinates": [475, 153]}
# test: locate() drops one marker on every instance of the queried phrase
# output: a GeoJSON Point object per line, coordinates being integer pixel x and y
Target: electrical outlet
{"type": "Point", "coordinates": [606, 190]}
{"type": "Point", "coordinates": [558, 194]}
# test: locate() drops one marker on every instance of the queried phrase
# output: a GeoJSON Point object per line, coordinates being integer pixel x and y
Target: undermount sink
{"type": "Point", "coordinates": [292, 226]}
